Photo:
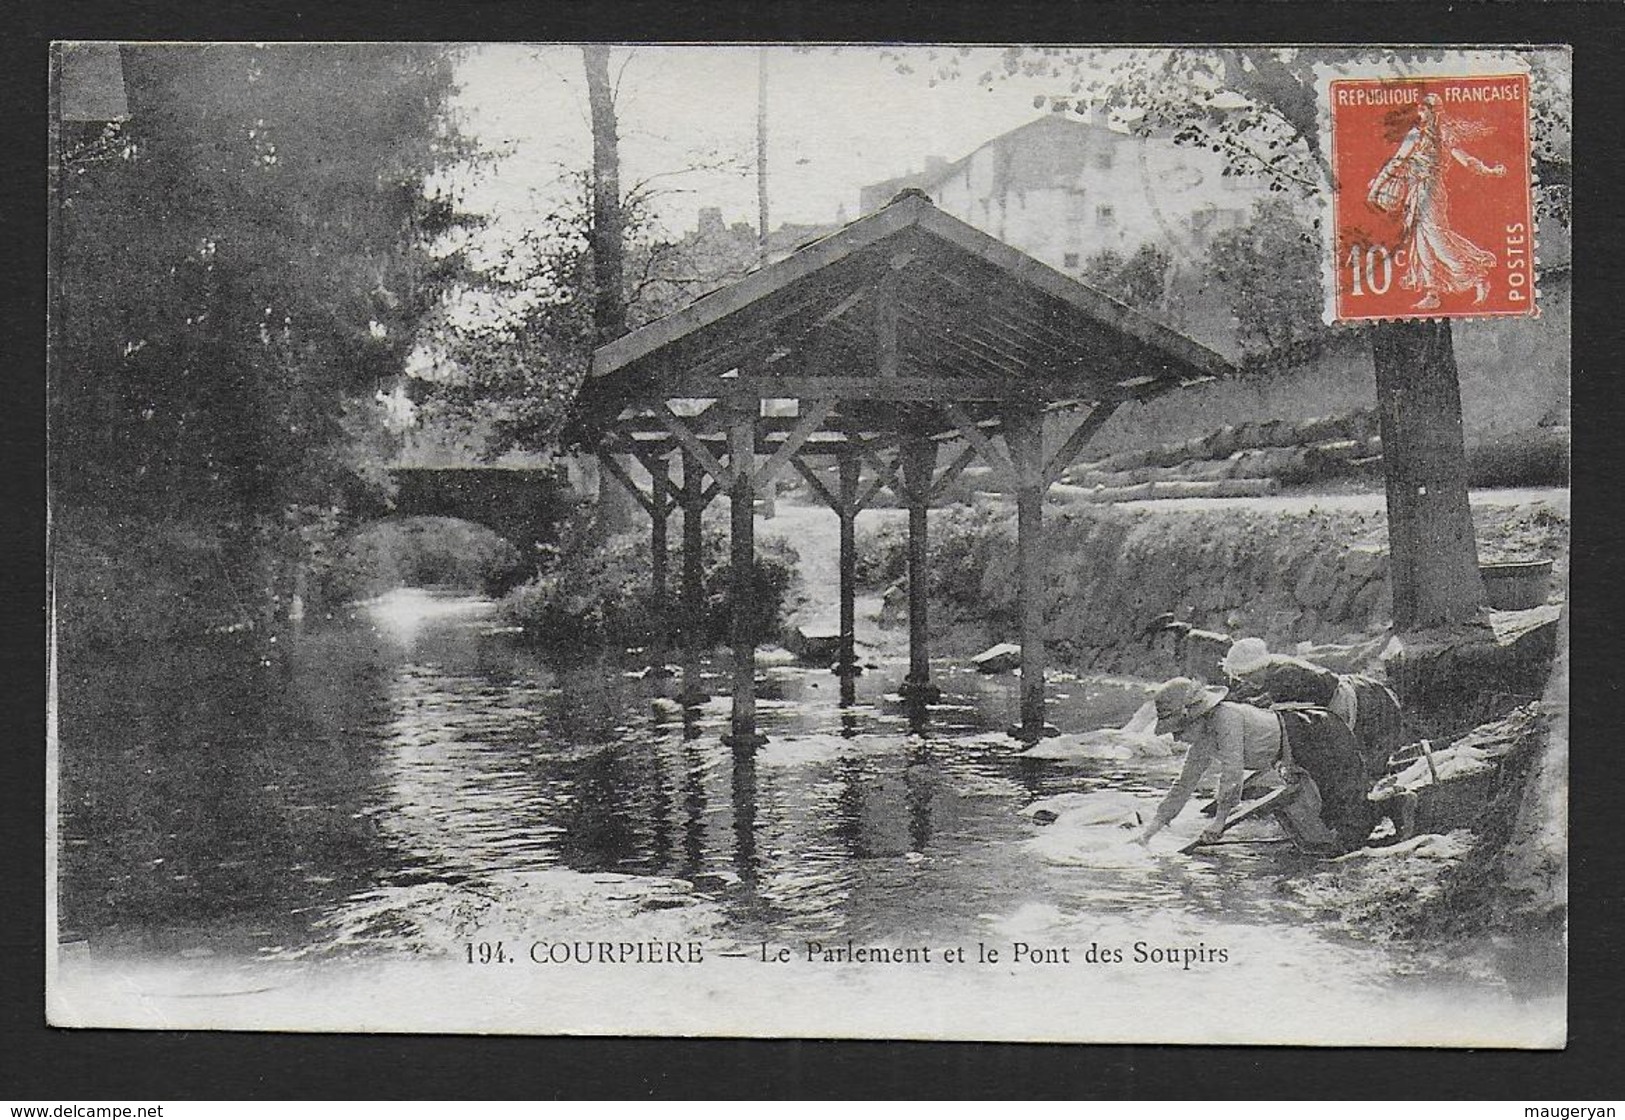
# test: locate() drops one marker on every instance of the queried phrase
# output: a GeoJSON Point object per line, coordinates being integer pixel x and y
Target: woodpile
{"type": "Point", "coordinates": [1251, 460]}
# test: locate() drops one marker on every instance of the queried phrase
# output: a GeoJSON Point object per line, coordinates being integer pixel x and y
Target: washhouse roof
{"type": "Point", "coordinates": [903, 310]}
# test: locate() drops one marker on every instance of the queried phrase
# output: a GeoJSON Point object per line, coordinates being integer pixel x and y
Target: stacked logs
{"type": "Point", "coordinates": [1258, 459]}
{"type": "Point", "coordinates": [1247, 460]}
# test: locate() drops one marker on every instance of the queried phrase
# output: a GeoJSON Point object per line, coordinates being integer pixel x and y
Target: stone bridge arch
{"type": "Point", "coordinates": [523, 505]}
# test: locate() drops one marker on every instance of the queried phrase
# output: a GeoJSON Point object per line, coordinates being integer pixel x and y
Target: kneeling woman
{"type": "Point", "coordinates": [1307, 750]}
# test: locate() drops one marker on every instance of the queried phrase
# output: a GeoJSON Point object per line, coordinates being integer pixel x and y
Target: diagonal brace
{"type": "Point", "coordinates": [1079, 438]}
{"type": "Point", "coordinates": [694, 445]}
{"type": "Point", "coordinates": [995, 458]}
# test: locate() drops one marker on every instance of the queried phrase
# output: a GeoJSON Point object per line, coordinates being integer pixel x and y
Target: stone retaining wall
{"type": "Point", "coordinates": [1312, 575]}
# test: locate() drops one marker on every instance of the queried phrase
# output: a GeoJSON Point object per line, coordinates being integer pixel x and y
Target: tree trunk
{"type": "Point", "coordinates": [1432, 552]}
{"type": "Point", "coordinates": [608, 253]}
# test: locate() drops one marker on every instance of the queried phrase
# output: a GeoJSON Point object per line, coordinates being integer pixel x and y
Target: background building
{"type": "Point", "coordinates": [1063, 189]}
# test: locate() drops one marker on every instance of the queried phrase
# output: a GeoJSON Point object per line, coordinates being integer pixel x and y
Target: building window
{"type": "Point", "coordinates": [1103, 161]}
{"type": "Point", "coordinates": [1105, 216]}
{"type": "Point", "coordinates": [1070, 260]}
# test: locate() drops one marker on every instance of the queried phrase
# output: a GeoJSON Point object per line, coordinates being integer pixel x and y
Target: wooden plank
{"type": "Point", "coordinates": [1241, 813]}
{"type": "Point", "coordinates": [885, 326]}
{"type": "Point", "coordinates": [885, 477]}
{"type": "Point", "coordinates": [665, 491]}
{"type": "Point", "coordinates": [1080, 298]}
{"type": "Point", "coordinates": [713, 308]}
{"type": "Point", "coordinates": [996, 459]}
{"type": "Point", "coordinates": [1078, 440]}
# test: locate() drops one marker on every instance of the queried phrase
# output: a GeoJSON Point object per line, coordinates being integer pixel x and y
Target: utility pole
{"type": "Point", "coordinates": [761, 155]}
{"type": "Point", "coordinates": [770, 492]}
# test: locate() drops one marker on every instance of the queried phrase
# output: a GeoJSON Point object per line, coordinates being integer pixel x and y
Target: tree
{"type": "Point", "coordinates": [1140, 281]}
{"type": "Point", "coordinates": [1269, 272]}
{"type": "Point", "coordinates": [243, 263]}
{"type": "Point", "coordinates": [607, 229]}
{"type": "Point", "coordinates": [1257, 107]}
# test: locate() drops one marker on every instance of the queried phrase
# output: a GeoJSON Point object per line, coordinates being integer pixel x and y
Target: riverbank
{"type": "Point", "coordinates": [1300, 571]}
{"type": "Point", "coordinates": [1287, 568]}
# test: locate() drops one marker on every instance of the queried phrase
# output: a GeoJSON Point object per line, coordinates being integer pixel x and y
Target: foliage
{"type": "Point", "coordinates": [964, 544]}
{"type": "Point", "coordinates": [513, 348]}
{"type": "Point", "coordinates": [1269, 271]}
{"type": "Point", "coordinates": [120, 581]}
{"type": "Point", "coordinates": [1140, 281]}
{"type": "Point", "coordinates": [420, 552]}
{"type": "Point", "coordinates": [515, 344]}
{"type": "Point", "coordinates": [241, 267]}
{"type": "Point", "coordinates": [594, 592]}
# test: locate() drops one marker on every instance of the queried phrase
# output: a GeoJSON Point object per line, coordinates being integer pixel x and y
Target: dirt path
{"type": "Point", "coordinates": [815, 534]}
{"type": "Point", "coordinates": [1557, 498]}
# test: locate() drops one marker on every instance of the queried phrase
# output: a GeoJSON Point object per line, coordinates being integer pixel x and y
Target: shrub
{"type": "Point", "coordinates": [594, 591]}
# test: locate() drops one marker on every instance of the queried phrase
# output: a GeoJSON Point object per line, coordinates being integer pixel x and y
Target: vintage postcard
{"type": "Point", "coordinates": [1053, 543]}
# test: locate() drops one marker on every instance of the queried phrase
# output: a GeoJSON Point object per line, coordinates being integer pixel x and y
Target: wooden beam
{"type": "Point", "coordinates": [896, 388]}
{"type": "Point", "coordinates": [817, 484]}
{"type": "Point", "coordinates": [1078, 440]}
{"type": "Point", "coordinates": [953, 470]}
{"type": "Point", "coordinates": [742, 734]}
{"type": "Point", "coordinates": [806, 425]}
{"type": "Point", "coordinates": [659, 472]}
{"type": "Point", "coordinates": [886, 316]}
{"type": "Point", "coordinates": [692, 444]}
{"type": "Point", "coordinates": [918, 457]}
{"type": "Point", "coordinates": [613, 466]}
{"type": "Point", "coordinates": [660, 559]}
{"type": "Point", "coordinates": [1024, 432]}
{"type": "Point", "coordinates": [847, 471]}
{"type": "Point", "coordinates": [995, 459]}
{"type": "Point", "coordinates": [885, 477]}
{"type": "Point", "coordinates": [693, 592]}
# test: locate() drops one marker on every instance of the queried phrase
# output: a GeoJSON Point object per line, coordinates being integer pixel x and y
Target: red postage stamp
{"type": "Point", "coordinates": [1432, 209]}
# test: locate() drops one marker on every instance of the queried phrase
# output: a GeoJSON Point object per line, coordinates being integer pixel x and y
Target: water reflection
{"type": "Point", "coordinates": [209, 804]}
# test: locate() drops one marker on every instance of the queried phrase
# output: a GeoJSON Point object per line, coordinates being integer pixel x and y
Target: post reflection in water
{"type": "Point", "coordinates": [849, 698]}
{"type": "Point", "coordinates": [744, 818]}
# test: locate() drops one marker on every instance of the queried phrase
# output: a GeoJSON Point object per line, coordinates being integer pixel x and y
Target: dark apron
{"type": "Point", "coordinates": [1319, 744]}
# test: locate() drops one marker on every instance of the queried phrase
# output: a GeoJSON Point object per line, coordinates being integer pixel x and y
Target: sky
{"type": "Point", "coordinates": [838, 118]}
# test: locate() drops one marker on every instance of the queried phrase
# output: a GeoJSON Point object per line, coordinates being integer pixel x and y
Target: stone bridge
{"type": "Point", "coordinates": [523, 505]}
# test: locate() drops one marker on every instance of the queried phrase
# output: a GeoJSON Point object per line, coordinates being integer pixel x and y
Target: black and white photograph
{"type": "Point", "coordinates": [1031, 543]}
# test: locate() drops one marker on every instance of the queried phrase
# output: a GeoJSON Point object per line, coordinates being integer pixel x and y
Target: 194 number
{"type": "Point", "coordinates": [485, 952]}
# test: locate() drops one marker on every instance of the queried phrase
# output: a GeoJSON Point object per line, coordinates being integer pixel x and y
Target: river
{"type": "Point", "coordinates": [397, 782]}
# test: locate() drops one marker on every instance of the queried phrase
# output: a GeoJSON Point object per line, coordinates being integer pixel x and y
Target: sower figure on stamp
{"type": "Point", "coordinates": [1307, 751]}
{"type": "Point", "coordinates": [1366, 706]}
{"type": "Point", "coordinates": [1413, 183]}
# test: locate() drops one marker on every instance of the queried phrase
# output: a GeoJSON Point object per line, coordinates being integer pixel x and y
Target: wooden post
{"type": "Point", "coordinates": [919, 456]}
{"type": "Point", "coordinates": [1024, 435]}
{"type": "Point", "coordinates": [693, 590]}
{"type": "Point", "coordinates": [846, 462]}
{"type": "Point", "coordinates": [743, 735]}
{"type": "Point", "coordinates": [659, 512]}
